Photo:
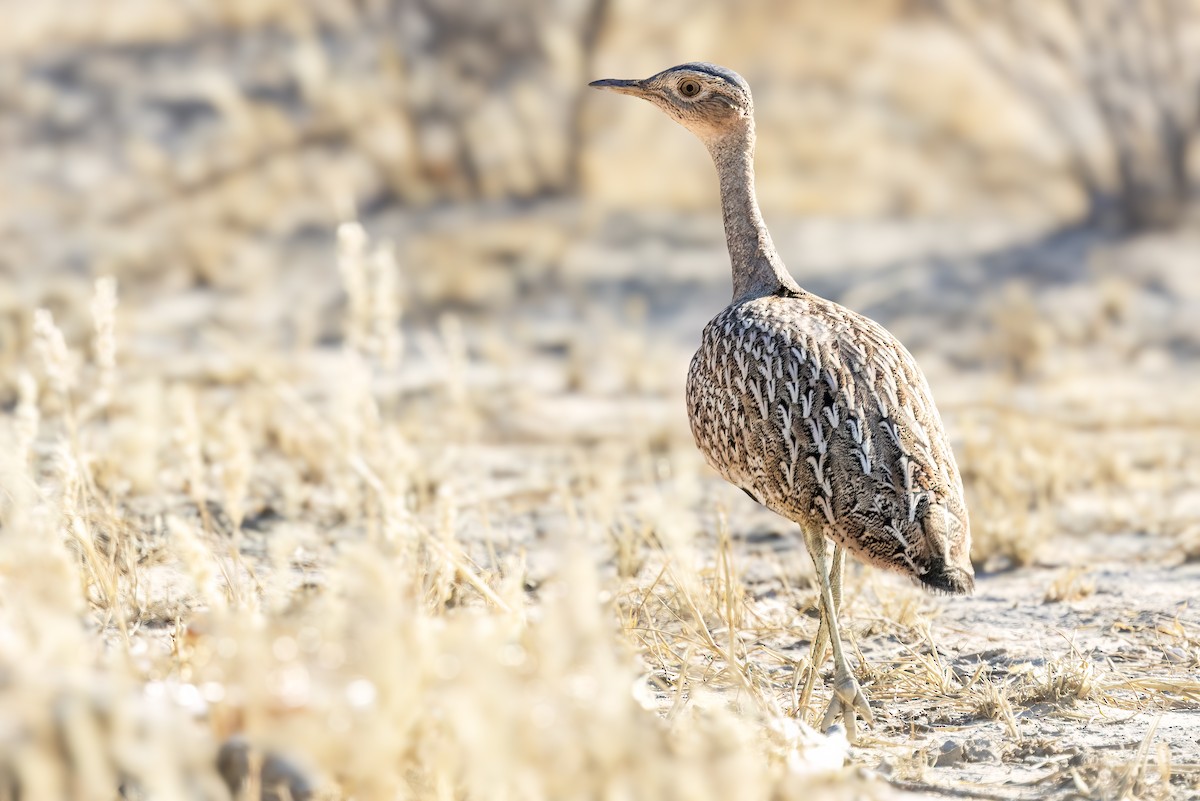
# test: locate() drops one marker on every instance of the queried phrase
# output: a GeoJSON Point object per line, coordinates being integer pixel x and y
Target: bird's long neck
{"type": "Point", "coordinates": [757, 268]}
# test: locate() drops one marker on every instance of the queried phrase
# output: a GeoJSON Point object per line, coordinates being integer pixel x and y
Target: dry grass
{"type": "Point", "coordinates": [235, 578]}
{"type": "Point", "coordinates": [1072, 585]}
{"type": "Point", "coordinates": [363, 649]}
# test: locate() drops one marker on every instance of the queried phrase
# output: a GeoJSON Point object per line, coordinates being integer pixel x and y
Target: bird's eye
{"type": "Point", "coordinates": [689, 88]}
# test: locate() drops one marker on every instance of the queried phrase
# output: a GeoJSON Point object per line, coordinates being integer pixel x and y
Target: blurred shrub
{"type": "Point", "coordinates": [1118, 82]}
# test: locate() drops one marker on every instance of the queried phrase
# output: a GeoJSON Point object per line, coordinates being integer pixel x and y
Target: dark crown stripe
{"type": "Point", "coordinates": [710, 69]}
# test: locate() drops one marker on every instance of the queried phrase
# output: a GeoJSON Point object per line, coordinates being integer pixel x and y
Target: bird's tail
{"type": "Point", "coordinates": [948, 567]}
{"type": "Point", "coordinates": [941, 577]}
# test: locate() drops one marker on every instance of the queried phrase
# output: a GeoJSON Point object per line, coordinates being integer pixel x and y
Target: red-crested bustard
{"type": "Point", "coordinates": [815, 411]}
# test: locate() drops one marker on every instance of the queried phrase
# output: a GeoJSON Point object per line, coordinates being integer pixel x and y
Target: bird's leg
{"type": "Point", "coordinates": [835, 576]}
{"type": "Point", "coordinates": [817, 652]}
{"type": "Point", "coordinates": [848, 701]}
{"type": "Point", "coordinates": [816, 658]}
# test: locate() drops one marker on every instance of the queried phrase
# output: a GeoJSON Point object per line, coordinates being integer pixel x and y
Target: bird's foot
{"type": "Point", "coordinates": [848, 703]}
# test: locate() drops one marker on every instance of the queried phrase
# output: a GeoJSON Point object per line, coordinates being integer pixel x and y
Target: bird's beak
{"type": "Point", "coordinates": [617, 85]}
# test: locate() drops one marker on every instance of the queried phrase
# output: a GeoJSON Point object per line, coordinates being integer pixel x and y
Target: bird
{"type": "Point", "coordinates": [815, 411]}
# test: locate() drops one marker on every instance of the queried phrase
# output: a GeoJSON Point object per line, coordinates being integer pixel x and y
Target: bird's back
{"type": "Point", "coordinates": [821, 415]}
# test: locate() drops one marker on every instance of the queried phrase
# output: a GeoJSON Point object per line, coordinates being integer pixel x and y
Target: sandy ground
{"type": "Point", "coordinates": [1130, 626]}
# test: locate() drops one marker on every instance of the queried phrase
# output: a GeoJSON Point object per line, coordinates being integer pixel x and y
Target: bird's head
{"type": "Point", "coordinates": [710, 101]}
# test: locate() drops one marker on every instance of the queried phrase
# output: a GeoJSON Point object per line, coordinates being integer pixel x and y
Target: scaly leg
{"type": "Point", "coordinates": [835, 576]}
{"type": "Point", "coordinates": [848, 701]}
{"type": "Point", "coordinates": [817, 651]}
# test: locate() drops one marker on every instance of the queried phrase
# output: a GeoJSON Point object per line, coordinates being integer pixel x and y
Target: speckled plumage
{"type": "Point", "coordinates": [822, 416]}
{"type": "Point", "coordinates": [813, 410]}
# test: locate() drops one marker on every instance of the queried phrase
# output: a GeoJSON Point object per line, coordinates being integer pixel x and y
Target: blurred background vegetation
{"type": "Point", "coordinates": [216, 144]}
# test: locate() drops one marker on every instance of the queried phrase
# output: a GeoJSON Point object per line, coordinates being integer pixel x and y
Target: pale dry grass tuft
{"type": "Point", "coordinates": [104, 343]}
{"type": "Point", "coordinates": [26, 418]}
{"type": "Point", "coordinates": [1071, 585]}
{"type": "Point", "coordinates": [371, 279]}
{"type": "Point", "coordinates": [54, 358]}
{"type": "Point", "coordinates": [1011, 473]}
{"type": "Point", "coordinates": [372, 283]}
